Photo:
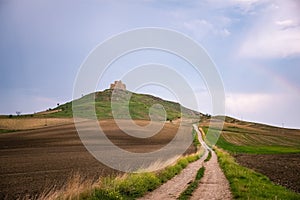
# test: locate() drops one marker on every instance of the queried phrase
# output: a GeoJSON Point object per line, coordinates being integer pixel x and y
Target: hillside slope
{"type": "Point", "coordinates": [139, 105]}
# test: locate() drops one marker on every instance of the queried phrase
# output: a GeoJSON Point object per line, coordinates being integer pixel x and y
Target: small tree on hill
{"type": "Point", "coordinates": [18, 113]}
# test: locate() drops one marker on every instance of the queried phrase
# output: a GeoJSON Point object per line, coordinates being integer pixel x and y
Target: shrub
{"type": "Point", "coordinates": [104, 194]}
{"type": "Point", "coordinates": [135, 185]}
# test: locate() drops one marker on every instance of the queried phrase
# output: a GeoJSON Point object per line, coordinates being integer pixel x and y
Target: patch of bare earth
{"type": "Point", "coordinates": [213, 184]}
{"type": "Point", "coordinates": [32, 123]}
{"type": "Point", "coordinates": [282, 169]}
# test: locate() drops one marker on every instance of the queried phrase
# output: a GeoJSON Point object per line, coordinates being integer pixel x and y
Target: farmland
{"type": "Point", "coordinates": [33, 160]}
{"type": "Point", "coordinates": [272, 151]}
{"type": "Point", "coordinates": [42, 151]}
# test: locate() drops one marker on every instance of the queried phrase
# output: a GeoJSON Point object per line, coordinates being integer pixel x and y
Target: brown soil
{"type": "Point", "coordinates": [32, 123]}
{"type": "Point", "coordinates": [35, 160]}
{"type": "Point", "coordinates": [282, 169]}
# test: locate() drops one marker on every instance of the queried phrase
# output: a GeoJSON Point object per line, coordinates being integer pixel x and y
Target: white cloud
{"type": "Point", "coordinates": [247, 102]}
{"type": "Point", "coordinates": [284, 22]}
{"type": "Point", "coordinates": [201, 28]}
{"type": "Point", "coordinates": [271, 108]}
{"type": "Point", "coordinates": [272, 43]}
{"type": "Point", "coordinates": [245, 5]}
{"type": "Point", "coordinates": [275, 35]}
{"type": "Point", "coordinates": [198, 27]}
{"type": "Point", "coordinates": [225, 32]}
{"type": "Point", "coordinates": [242, 6]}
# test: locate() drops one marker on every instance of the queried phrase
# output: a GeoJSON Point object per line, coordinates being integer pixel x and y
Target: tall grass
{"type": "Point", "coordinates": [248, 184]}
{"type": "Point", "coordinates": [133, 185]}
{"type": "Point", "coordinates": [75, 187]}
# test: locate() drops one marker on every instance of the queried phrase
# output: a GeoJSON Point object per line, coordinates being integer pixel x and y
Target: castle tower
{"type": "Point", "coordinates": [118, 85]}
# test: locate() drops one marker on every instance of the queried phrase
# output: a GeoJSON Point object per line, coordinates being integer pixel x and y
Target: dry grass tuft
{"type": "Point", "coordinates": [75, 187]}
{"type": "Point", "coordinates": [160, 164]}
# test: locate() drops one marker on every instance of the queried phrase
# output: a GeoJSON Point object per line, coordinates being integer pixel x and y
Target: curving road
{"type": "Point", "coordinates": [213, 185]}
{"type": "Point", "coordinates": [174, 187]}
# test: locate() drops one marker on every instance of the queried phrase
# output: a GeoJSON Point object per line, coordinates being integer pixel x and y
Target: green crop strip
{"type": "Point", "coordinates": [248, 184]}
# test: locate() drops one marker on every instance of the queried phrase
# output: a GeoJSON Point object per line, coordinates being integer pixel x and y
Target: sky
{"type": "Point", "coordinates": [255, 45]}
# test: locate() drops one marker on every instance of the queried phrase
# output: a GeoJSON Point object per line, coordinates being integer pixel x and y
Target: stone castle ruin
{"type": "Point", "coordinates": [118, 85]}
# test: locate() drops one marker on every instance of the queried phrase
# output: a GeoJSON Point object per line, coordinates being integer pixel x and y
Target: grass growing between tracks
{"type": "Point", "coordinates": [208, 157]}
{"type": "Point", "coordinates": [248, 184]}
{"type": "Point", "coordinates": [187, 193]}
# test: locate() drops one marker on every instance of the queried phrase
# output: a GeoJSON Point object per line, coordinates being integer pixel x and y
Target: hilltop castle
{"type": "Point", "coordinates": [118, 85]}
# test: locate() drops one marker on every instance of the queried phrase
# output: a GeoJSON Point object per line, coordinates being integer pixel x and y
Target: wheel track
{"type": "Point", "coordinates": [213, 185]}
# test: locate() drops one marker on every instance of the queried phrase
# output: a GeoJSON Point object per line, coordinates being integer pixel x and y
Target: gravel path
{"type": "Point", "coordinates": [213, 184]}
{"type": "Point", "coordinates": [174, 187]}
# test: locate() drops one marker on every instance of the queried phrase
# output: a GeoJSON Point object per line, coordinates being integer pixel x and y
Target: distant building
{"type": "Point", "coordinates": [118, 85]}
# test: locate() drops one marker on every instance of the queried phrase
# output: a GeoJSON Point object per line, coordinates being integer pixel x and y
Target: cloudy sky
{"type": "Point", "coordinates": [254, 44]}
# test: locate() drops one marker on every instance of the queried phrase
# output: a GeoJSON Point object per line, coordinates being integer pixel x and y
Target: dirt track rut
{"type": "Point", "coordinates": [213, 185]}
{"type": "Point", "coordinates": [173, 188]}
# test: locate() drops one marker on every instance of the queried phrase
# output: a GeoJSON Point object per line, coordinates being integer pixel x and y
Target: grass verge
{"type": "Point", "coordinates": [187, 193]}
{"type": "Point", "coordinates": [126, 187]}
{"type": "Point", "coordinates": [136, 185]}
{"type": "Point", "coordinates": [248, 184]}
{"type": "Point", "coordinates": [195, 139]}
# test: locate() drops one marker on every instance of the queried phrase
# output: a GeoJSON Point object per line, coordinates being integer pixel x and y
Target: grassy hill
{"type": "Point", "coordinates": [139, 105]}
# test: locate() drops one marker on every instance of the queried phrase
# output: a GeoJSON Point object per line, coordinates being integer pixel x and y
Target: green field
{"type": "Point", "coordinates": [278, 148]}
{"type": "Point", "coordinates": [239, 137]}
{"type": "Point", "coordinates": [252, 138]}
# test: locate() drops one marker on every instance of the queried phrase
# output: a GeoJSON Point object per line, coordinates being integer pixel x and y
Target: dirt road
{"type": "Point", "coordinates": [213, 185]}
{"type": "Point", "coordinates": [174, 187]}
